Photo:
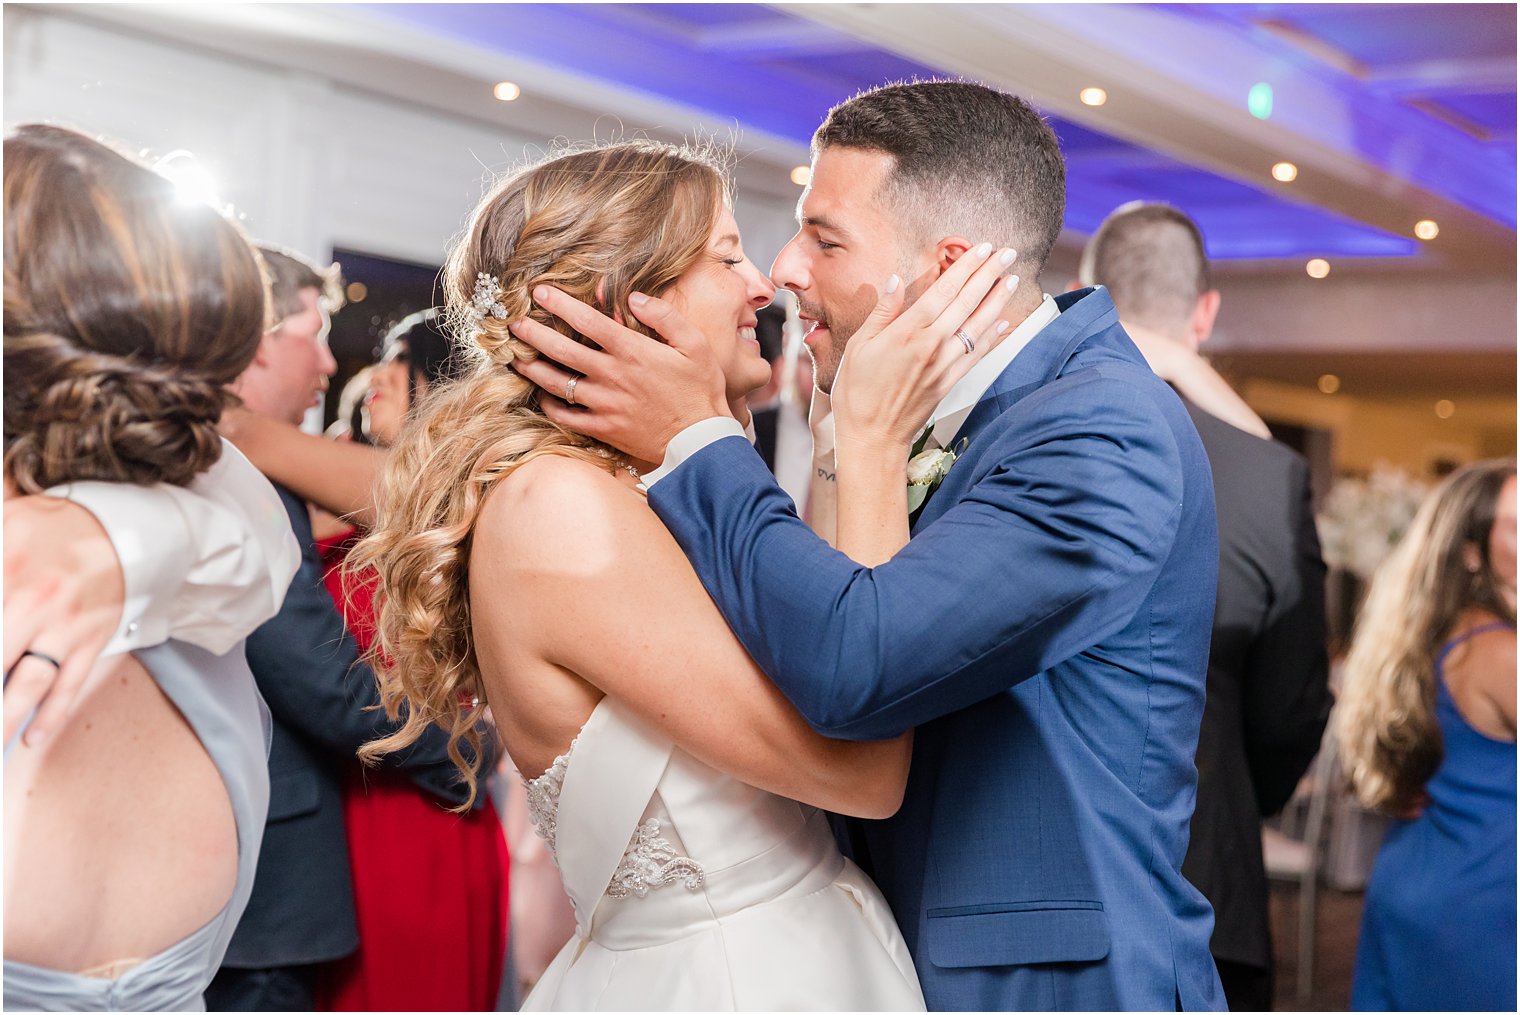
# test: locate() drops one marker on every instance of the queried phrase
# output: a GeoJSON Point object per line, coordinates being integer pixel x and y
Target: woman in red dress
{"type": "Point", "coordinates": [430, 886]}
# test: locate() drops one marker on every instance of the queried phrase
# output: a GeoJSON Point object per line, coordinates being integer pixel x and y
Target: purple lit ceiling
{"type": "Point", "coordinates": [1446, 66]}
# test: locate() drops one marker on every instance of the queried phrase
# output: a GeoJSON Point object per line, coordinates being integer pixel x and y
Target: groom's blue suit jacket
{"type": "Point", "coordinates": [1046, 630]}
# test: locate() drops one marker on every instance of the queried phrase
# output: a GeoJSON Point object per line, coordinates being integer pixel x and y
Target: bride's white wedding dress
{"type": "Point", "coordinates": [694, 891]}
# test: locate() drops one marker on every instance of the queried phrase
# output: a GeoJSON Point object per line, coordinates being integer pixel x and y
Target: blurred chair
{"type": "Point", "coordinates": [1301, 859]}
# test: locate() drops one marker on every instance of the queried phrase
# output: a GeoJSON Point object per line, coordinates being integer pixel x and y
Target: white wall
{"type": "Point", "coordinates": [1363, 312]}
{"type": "Point", "coordinates": [311, 163]}
{"type": "Point", "coordinates": [1353, 310]}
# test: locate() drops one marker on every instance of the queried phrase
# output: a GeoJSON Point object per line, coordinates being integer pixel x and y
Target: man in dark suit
{"type": "Point", "coordinates": [307, 667]}
{"type": "Point", "coordinates": [765, 406]}
{"type": "Point", "coordinates": [1268, 693]}
{"type": "Point", "coordinates": [779, 411]}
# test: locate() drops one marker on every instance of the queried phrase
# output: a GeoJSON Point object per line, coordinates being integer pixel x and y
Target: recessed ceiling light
{"type": "Point", "coordinates": [1285, 172]}
{"type": "Point", "coordinates": [1446, 408]}
{"type": "Point", "coordinates": [1317, 267]}
{"type": "Point", "coordinates": [1426, 229]}
{"type": "Point", "coordinates": [801, 175]}
{"type": "Point", "coordinates": [356, 291]}
{"type": "Point", "coordinates": [1092, 96]}
{"type": "Point", "coordinates": [1329, 383]}
{"type": "Point", "coordinates": [506, 91]}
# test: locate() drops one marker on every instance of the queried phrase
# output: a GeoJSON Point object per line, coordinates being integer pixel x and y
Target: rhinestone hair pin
{"type": "Point", "coordinates": [486, 302]}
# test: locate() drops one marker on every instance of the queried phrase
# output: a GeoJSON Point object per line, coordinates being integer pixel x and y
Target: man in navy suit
{"type": "Point", "coordinates": [321, 699]}
{"type": "Point", "coordinates": [1045, 630]}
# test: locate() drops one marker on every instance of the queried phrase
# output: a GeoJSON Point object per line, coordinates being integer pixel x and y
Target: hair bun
{"type": "Point", "coordinates": [73, 414]}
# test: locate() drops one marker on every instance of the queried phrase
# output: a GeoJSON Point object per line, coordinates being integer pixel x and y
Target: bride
{"type": "Point", "coordinates": [520, 567]}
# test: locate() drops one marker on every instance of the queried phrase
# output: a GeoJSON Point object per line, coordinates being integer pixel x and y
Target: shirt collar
{"type": "Point", "coordinates": [950, 415]}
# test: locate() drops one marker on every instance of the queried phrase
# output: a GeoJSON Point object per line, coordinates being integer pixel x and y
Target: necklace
{"type": "Point", "coordinates": [637, 478]}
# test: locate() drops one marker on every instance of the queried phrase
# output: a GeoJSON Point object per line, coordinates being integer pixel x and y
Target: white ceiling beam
{"type": "Point", "coordinates": [1433, 78]}
{"type": "Point", "coordinates": [765, 39]}
{"type": "Point", "coordinates": [1306, 42]}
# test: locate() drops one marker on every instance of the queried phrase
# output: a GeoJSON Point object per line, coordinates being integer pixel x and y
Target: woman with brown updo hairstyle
{"type": "Point", "coordinates": [131, 836]}
{"type": "Point", "coordinates": [520, 569]}
{"type": "Point", "coordinates": [1426, 718]}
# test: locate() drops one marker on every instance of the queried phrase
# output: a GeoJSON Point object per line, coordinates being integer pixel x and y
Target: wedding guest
{"type": "Point", "coordinates": [765, 404]}
{"type": "Point", "coordinates": [456, 919]}
{"type": "Point", "coordinates": [1268, 676]}
{"type": "Point", "coordinates": [350, 422]}
{"type": "Point", "coordinates": [1427, 727]}
{"type": "Point", "coordinates": [132, 832]}
{"type": "Point", "coordinates": [301, 913]}
{"type": "Point", "coordinates": [780, 409]}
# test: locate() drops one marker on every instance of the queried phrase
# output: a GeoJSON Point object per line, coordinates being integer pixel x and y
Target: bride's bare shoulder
{"type": "Point", "coordinates": [556, 508]}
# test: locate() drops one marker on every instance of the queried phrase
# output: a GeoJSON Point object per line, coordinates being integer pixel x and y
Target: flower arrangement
{"type": "Point", "coordinates": [1362, 520]}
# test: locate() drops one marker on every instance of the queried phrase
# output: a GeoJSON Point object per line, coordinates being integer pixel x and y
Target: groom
{"type": "Point", "coordinates": [1046, 629]}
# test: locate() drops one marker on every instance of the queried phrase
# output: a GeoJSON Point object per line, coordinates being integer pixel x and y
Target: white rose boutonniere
{"type": "Point", "coordinates": [927, 468]}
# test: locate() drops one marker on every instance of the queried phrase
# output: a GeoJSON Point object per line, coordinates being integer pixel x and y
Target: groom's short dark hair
{"type": "Point", "coordinates": [968, 159]}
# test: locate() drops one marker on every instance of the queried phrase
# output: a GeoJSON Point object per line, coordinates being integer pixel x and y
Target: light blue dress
{"type": "Point", "coordinates": [1438, 930]}
{"type": "Point", "coordinates": [217, 696]}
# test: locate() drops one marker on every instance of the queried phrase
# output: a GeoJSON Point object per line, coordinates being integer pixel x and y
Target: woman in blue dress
{"type": "Point", "coordinates": [1427, 720]}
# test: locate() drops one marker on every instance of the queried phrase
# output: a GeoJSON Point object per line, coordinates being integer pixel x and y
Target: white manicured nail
{"type": "Point", "coordinates": [1008, 256]}
{"type": "Point", "coordinates": [984, 250]}
{"type": "Point", "coordinates": [892, 283]}
{"type": "Point", "coordinates": [1012, 283]}
{"type": "Point", "coordinates": [1001, 327]}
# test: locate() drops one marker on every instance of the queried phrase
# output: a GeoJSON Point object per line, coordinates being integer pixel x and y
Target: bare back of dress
{"type": "Point", "coordinates": [218, 699]}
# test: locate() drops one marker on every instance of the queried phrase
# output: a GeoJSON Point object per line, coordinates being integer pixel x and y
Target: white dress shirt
{"type": "Point", "coordinates": [948, 418]}
{"type": "Point", "coordinates": [205, 563]}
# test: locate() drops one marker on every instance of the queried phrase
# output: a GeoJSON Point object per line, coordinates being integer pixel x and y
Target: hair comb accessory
{"type": "Point", "coordinates": [486, 302]}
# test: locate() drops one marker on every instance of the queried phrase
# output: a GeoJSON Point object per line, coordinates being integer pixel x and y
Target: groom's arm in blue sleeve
{"type": "Point", "coordinates": [1052, 549]}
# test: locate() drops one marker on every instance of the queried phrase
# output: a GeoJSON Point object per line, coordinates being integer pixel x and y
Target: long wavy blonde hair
{"type": "Point", "coordinates": [1385, 719]}
{"type": "Point", "coordinates": [599, 224]}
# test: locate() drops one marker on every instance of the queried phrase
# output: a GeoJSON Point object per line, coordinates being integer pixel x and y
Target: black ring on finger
{"type": "Point", "coordinates": [32, 652]}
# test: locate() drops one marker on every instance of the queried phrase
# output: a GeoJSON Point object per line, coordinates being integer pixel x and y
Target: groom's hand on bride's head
{"type": "Point", "coordinates": [632, 393]}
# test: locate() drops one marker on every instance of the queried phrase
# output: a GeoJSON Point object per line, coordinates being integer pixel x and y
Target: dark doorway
{"type": "Point", "coordinates": [381, 291]}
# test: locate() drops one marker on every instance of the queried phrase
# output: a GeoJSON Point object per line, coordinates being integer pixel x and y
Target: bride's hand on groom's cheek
{"type": "Point", "coordinates": [902, 362]}
{"type": "Point", "coordinates": [632, 393]}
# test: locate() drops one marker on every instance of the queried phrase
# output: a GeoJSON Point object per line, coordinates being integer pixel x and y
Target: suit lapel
{"type": "Point", "coordinates": [1084, 313]}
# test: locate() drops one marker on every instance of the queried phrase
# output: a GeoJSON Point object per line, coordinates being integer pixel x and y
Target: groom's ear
{"type": "Point", "coordinates": [948, 251]}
